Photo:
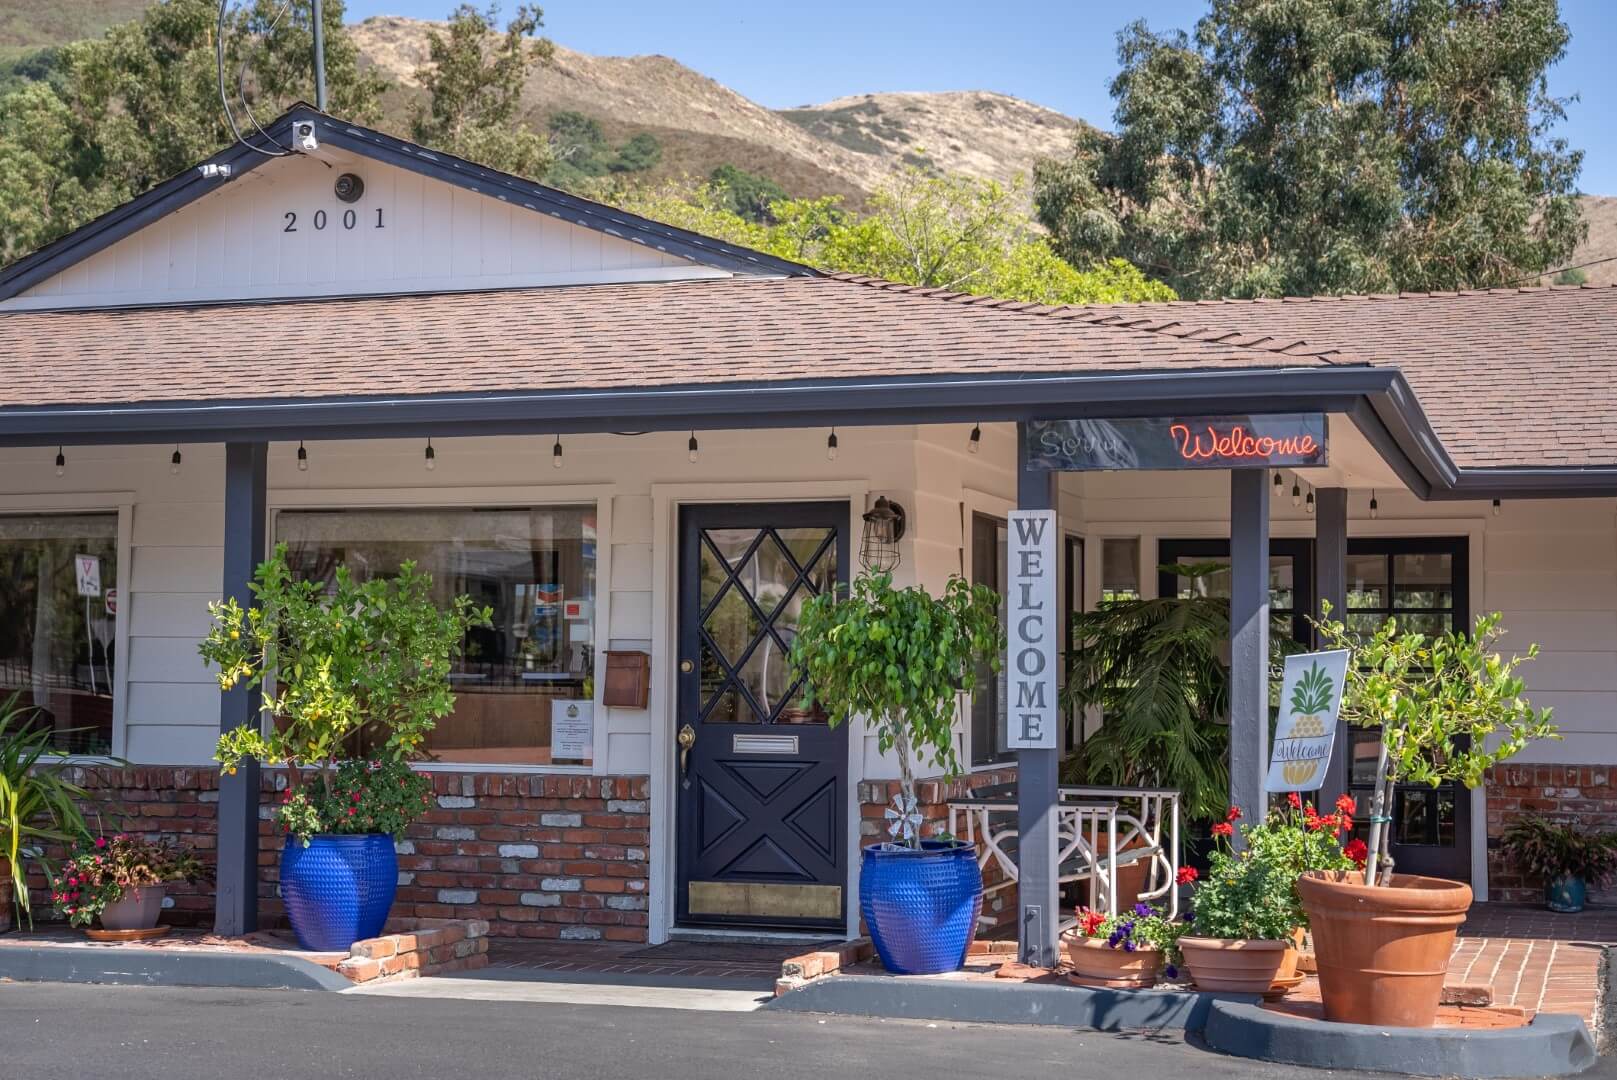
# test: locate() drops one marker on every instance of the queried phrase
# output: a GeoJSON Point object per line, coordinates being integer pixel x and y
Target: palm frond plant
{"type": "Point", "coordinates": [1156, 670]}
{"type": "Point", "coordinates": [38, 804]}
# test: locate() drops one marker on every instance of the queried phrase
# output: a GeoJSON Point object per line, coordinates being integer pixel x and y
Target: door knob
{"type": "Point", "coordinates": [686, 666]}
{"type": "Point", "coordinates": [686, 739]}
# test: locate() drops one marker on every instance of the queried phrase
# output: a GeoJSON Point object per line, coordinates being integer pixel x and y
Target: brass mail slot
{"type": "Point", "coordinates": [764, 744]}
{"type": "Point", "coordinates": [766, 900]}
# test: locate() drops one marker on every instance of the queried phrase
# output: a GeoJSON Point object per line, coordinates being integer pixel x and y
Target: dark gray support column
{"type": "Point", "coordinates": [1330, 581]}
{"type": "Point", "coordinates": [1249, 640]}
{"type": "Point", "coordinates": [236, 898]}
{"type": "Point", "coordinates": [1037, 784]}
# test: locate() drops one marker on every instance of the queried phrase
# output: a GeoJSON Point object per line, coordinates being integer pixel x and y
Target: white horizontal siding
{"type": "Point", "coordinates": [233, 244]}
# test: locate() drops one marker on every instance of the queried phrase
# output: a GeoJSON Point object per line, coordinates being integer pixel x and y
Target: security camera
{"type": "Point", "coordinates": [349, 188]}
{"type": "Point", "coordinates": [303, 136]}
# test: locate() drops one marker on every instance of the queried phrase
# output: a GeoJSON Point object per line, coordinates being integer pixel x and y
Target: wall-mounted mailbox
{"type": "Point", "coordinates": [628, 679]}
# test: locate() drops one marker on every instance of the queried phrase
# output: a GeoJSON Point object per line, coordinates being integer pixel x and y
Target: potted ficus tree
{"type": "Point", "coordinates": [900, 658]}
{"type": "Point", "coordinates": [1449, 707]}
{"type": "Point", "coordinates": [355, 675]}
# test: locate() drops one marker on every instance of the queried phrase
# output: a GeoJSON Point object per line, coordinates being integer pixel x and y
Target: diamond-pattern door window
{"type": "Point", "coordinates": [754, 585]}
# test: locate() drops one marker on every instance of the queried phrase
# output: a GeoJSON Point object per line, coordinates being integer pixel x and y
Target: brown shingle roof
{"type": "Point", "coordinates": [562, 338]}
{"type": "Point", "coordinates": [1506, 376]}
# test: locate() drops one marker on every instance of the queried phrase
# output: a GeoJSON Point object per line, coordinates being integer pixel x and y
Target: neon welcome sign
{"type": "Point", "coordinates": [1202, 442]}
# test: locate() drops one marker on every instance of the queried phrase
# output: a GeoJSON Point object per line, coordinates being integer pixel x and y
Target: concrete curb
{"type": "Point", "coordinates": [1606, 1036]}
{"type": "Point", "coordinates": [165, 967]}
{"type": "Point", "coordinates": [983, 1001]}
{"type": "Point", "coordinates": [1554, 1044]}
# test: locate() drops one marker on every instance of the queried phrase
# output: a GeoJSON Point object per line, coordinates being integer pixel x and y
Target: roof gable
{"type": "Point", "coordinates": [445, 224]}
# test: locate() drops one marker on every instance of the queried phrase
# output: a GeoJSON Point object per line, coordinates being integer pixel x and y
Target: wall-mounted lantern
{"type": "Point", "coordinates": [884, 528]}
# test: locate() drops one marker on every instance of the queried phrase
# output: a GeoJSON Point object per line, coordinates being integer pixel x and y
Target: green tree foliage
{"type": "Point", "coordinates": [640, 153]}
{"type": "Point", "coordinates": [747, 194]}
{"type": "Point", "coordinates": [474, 90]}
{"type": "Point", "coordinates": [580, 152]}
{"type": "Point", "coordinates": [125, 112]}
{"type": "Point", "coordinates": [949, 232]}
{"type": "Point", "coordinates": [899, 658]}
{"type": "Point", "coordinates": [1328, 146]}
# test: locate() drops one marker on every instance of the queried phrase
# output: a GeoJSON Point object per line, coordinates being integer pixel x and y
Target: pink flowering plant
{"type": "Point", "coordinates": [381, 796]}
{"type": "Point", "coordinates": [100, 871]}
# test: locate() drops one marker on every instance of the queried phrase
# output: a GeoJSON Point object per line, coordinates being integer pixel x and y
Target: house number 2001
{"type": "Point", "coordinates": [350, 220]}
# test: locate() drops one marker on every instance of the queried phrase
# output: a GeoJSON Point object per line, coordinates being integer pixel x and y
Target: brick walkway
{"type": "Point", "coordinates": [1534, 958]}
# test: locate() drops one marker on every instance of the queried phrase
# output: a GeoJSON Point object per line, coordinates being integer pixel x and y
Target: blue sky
{"type": "Point", "coordinates": [1059, 54]}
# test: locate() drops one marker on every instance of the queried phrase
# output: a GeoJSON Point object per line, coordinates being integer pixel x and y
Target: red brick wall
{"type": "Point", "coordinates": [1582, 794]}
{"type": "Point", "coordinates": [535, 855]}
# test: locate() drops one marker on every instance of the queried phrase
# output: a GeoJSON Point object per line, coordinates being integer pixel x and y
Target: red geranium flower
{"type": "Point", "coordinates": [1346, 805]}
{"type": "Point", "coordinates": [1223, 828]}
{"type": "Point", "coordinates": [1234, 814]}
{"type": "Point", "coordinates": [1294, 800]}
{"type": "Point", "coordinates": [1187, 874]}
{"type": "Point", "coordinates": [1357, 851]}
{"type": "Point", "coordinates": [1089, 922]}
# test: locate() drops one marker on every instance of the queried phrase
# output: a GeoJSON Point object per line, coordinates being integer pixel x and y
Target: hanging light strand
{"type": "Point", "coordinates": [1375, 507]}
{"type": "Point", "coordinates": [174, 461]}
{"type": "Point", "coordinates": [61, 461]}
{"type": "Point", "coordinates": [430, 457]}
{"type": "Point", "coordinates": [831, 445]}
{"type": "Point", "coordinates": [556, 454]}
{"type": "Point", "coordinates": [975, 443]}
{"type": "Point", "coordinates": [692, 450]}
{"type": "Point", "coordinates": [303, 457]}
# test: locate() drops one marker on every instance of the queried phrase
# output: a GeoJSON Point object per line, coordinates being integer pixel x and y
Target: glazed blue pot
{"type": "Point", "coordinates": [1565, 894]}
{"type": "Point", "coordinates": [921, 907]}
{"type": "Point", "coordinates": [339, 889]}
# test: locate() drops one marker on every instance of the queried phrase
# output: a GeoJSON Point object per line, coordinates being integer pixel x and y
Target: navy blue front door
{"type": "Point", "coordinates": [761, 778]}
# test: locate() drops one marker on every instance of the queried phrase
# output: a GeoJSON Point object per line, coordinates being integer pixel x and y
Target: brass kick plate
{"type": "Point", "coordinates": [766, 900]}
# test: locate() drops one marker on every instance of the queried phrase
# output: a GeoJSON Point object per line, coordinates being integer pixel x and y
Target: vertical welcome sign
{"type": "Point", "coordinates": [1032, 626]}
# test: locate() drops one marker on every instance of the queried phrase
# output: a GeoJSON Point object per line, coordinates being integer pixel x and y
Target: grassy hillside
{"type": "Point", "coordinates": [33, 24]}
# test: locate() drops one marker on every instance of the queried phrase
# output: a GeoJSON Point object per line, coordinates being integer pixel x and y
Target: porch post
{"type": "Point", "coordinates": [1037, 782]}
{"type": "Point", "coordinates": [236, 897]}
{"type": "Point", "coordinates": [1249, 640]}
{"type": "Point", "coordinates": [1330, 577]}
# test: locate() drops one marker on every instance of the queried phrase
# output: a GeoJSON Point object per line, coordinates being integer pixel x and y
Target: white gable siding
{"type": "Point", "coordinates": [233, 243]}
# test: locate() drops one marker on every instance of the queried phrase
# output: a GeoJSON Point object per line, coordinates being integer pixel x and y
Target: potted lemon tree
{"type": "Point", "coordinates": [900, 658]}
{"type": "Point", "coordinates": [1449, 707]}
{"type": "Point", "coordinates": [356, 674]}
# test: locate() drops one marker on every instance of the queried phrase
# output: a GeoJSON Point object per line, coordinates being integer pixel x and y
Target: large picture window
{"type": "Point", "coordinates": [58, 604]}
{"type": "Point", "coordinates": [521, 688]}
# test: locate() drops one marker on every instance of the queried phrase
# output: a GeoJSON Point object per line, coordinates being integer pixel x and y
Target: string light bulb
{"type": "Point", "coordinates": [692, 450]}
{"type": "Point", "coordinates": [1275, 488]}
{"type": "Point", "coordinates": [431, 457]}
{"type": "Point", "coordinates": [831, 445]}
{"type": "Point", "coordinates": [1496, 508]}
{"type": "Point", "coordinates": [555, 454]}
{"type": "Point", "coordinates": [303, 458]}
{"type": "Point", "coordinates": [1309, 502]}
{"type": "Point", "coordinates": [975, 443]}
{"type": "Point", "coordinates": [1375, 507]}
{"type": "Point", "coordinates": [1296, 493]}
{"type": "Point", "coordinates": [174, 462]}
{"type": "Point", "coordinates": [61, 462]}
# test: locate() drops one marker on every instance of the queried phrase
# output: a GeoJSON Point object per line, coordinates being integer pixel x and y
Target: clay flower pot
{"type": "Point", "coordinates": [136, 909]}
{"type": "Point", "coordinates": [1095, 963]}
{"type": "Point", "coordinates": [1237, 965]}
{"type": "Point", "coordinates": [1382, 953]}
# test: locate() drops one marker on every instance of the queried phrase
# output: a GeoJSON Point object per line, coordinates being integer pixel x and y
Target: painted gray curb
{"type": "Point", "coordinates": [165, 967]}
{"type": "Point", "coordinates": [1606, 1037]}
{"type": "Point", "coordinates": [1554, 1044]}
{"type": "Point", "coordinates": [991, 1002]}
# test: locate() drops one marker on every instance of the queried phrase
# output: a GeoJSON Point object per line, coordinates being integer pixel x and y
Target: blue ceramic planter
{"type": "Point", "coordinates": [921, 907]}
{"type": "Point", "coordinates": [1565, 894]}
{"type": "Point", "coordinates": [339, 889]}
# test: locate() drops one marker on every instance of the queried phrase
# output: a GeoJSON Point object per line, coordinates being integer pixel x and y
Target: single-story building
{"type": "Point", "coordinates": [631, 440]}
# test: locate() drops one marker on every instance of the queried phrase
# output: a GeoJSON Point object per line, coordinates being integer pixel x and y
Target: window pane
{"type": "Point", "coordinates": [1364, 749]}
{"type": "Point", "coordinates": [534, 567]}
{"type": "Point", "coordinates": [1367, 581]}
{"type": "Point", "coordinates": [1120, 569]}
{"type": "Point", "coordinates": [1424, 580]}
{"type": "Point", "coordinates": [56, 631]}
{"type": "Point", "coordinates": [1205, 584]}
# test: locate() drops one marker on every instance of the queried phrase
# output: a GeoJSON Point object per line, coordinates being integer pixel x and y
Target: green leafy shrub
{"type": "Point", "coordinates": [1252, 893]}
{"type": "Point", "coordinates": [357, 668]}
{"type": "Point", "coordinates": [900, 658]}
{"type": "Point", "coordinates": [1449, 707]}
{"type": "Point", "coordinates": [1541, 848]}
{"type": "Point", "coordinates": [37, 802]}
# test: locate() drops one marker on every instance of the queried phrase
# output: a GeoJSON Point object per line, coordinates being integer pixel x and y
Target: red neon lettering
{"type": "Point", "coordinates": [1238, 443]}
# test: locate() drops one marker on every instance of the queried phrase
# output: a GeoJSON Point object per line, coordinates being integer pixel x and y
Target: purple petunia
{"type": "Point", "coordinates": [1144, 911]}
{"type": "Point", "coordinates": [1171, 971]}
{"type": "Point", "coordinates": [1128, 946]}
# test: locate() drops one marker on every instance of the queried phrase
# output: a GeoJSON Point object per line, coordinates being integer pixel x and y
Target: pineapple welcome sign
{"type": "Point", "coordinates": [1310, 694]}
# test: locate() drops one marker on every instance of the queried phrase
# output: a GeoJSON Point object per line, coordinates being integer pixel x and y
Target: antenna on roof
{"type": "Point", "coordinates": [319, 57]}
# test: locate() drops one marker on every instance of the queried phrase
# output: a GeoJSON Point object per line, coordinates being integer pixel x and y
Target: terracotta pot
{"type": "Point", "coordinates": [1235, 965]}
{"type": "Point", "coordinates": [1382, 953]}
{"type": "Point", "coordinates": [1095, 963]}
{"type": "Point", "coordinates": [136, 909]}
